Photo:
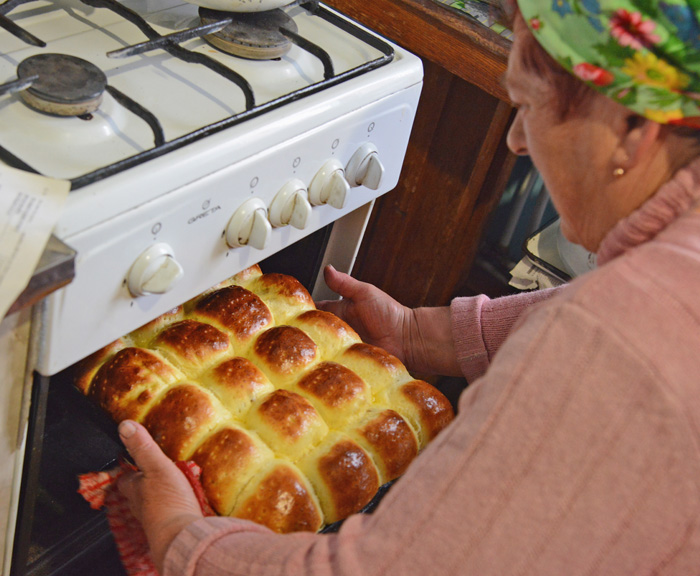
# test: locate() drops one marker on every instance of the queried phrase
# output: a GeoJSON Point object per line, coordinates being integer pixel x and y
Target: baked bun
{"type": "Point", "coordinates": [293, 420]}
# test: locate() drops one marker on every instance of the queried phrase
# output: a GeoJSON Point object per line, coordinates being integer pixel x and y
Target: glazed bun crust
{"type": "Point", "coordinates": [129, 382]}
{"type": "Point", "coordinates": [236, 310]}
{"type": "Point", "coordinates": [192, 345]}
{"type": "Point", "coordinates": [229, 458]}
{"type": "Point", "coordinates": [181, 417]}
{"type": "Point", "coordinates": [281, 499]}
{"type": "Point", "coordinates": [238, 383]}
{"type": "Point", "coordinates": [390, 440]}
{"type": "Point", "coordinates": [294, 422]}
{"type": "Point", "coordinates": [343, 474]}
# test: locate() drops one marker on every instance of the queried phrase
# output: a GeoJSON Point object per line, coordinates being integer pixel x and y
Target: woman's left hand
{"type": "Point", "coordinates": [159, 494]}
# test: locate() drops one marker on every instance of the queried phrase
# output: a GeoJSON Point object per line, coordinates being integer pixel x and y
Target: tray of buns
{"type": "Point", "coordinates": [294, 421]}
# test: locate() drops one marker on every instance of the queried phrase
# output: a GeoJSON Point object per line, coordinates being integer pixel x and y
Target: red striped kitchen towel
{"type": "Point", "coordinates": [100, 490]}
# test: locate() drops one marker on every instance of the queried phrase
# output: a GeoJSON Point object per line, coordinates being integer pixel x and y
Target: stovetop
{"type": "Point", "coordinates": [170, 95]}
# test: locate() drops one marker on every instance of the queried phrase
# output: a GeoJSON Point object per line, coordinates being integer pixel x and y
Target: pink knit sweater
{"type": "Point", "coordinates": [576, 447]}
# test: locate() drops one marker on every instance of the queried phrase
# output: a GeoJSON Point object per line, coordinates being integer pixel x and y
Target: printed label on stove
{"type": "Point", "coordinates": [204, 214]}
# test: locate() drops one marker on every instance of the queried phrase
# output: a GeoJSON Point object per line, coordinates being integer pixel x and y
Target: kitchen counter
{"type": "Point", "coordinates": [439, 34]}
{"type": "Point", "coordinates": [54, 270]}
{"type": "Point", "coordinates": [14, 399]}
{"type": "Point", "coordinates": [422, 237]}
{"type": "Point", "coordinates": [480, 11]}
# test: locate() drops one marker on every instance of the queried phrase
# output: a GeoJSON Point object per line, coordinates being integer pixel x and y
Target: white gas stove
{"type": "Point", "coordinates": [196, 163]}
{"type": "Point", "coordinates": [187, 164]}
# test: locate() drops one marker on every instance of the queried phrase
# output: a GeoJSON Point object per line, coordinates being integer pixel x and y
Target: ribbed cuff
{"type": "Point", "coordinates": [470, 348]}
{"type": "Point", "coordinates": [183, 553]}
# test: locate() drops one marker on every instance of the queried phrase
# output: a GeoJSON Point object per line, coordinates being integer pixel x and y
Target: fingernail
{"type": "Point", "coordinates": [127, 429]}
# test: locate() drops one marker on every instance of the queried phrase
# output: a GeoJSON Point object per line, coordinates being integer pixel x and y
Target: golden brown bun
{"type": "Point", "coordinates": [389, 439]}
{"type": "Point", "coordinates": [288, 423]}
{"type": "Point", "coordinates": [229, 458]}
{"type": "Point", "coordinates": [192, 346]}
{"type": "Point", "coordinates": [283, 352]}
{"type": "Point", "coordinates": [427, 412]}
{"type": "Point", "coordinates": [343, 475]}
{"type": "Point", "coordinates": [236, 310]}
{"type": "Point", "coordinates": [144, 335]}
{"type": "Point", "coordinates": [294, 421]}
{"type": "Point", "coordinates": [331, 334]}
{"type": "Point", "coordinates": [285, 296]}
{"type": "Point", "coordinates": [337, 392]}
{"type": "Point", "coordinates": [282, 499]}
{"type": "Point", "coordinates": [237, 382]}
{"type": "Point", "coordinates": [87, 368]}
{"type": "Point", "coordinates": [130, 381]}
{"type": "Point", "coordinates": [374, 365]}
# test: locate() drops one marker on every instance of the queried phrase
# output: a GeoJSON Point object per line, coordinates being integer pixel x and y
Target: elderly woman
{"type": "Point", "coordinates": [576, 449]}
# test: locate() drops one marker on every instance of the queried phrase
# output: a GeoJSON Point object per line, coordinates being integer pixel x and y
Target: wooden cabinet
{"type": "Point", "coordinates": [422, 237]}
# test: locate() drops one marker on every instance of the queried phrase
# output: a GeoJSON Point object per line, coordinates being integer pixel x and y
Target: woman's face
{"type": "Point", "coordinates": [574, 155]}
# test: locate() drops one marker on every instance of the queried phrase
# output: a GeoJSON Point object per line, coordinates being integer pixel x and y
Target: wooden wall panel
{"type": "Point", "coordinates": [422, 237]}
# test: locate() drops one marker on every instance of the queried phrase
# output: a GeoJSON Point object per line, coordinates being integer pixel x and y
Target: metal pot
{"type": "Point", "coordinates": [242, 5]}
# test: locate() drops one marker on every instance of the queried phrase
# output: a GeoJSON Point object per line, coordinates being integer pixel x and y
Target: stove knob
{"type": "Point", "coordinates": [365, 168]}
{"type": "Point", "coordinates": [291, 206]}
{"type": "Point", "coordinates": [155, 271]}
{"type": "Point", "coordinates": [329, 185]}
{"type": "Point", "coordinates": [249, 225]}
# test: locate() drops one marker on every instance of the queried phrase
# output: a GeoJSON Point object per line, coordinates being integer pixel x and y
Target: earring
{"type": "Point", "coordinates": [618, 172]}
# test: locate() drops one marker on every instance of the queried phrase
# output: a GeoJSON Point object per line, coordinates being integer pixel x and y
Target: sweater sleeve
{"type": "Point", "coordinates": [481, 324]}
{"type": "Point", "coordinates": [585, 467]}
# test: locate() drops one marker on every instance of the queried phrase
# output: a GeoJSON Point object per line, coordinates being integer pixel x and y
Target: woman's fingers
{"type": "Point", "coordinates": [147, 455]}
{"type": "Point", "coordinates": [341, 283]}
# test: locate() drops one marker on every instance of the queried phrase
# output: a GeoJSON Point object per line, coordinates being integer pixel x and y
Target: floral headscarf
{"type": "Point", "coordinates": [644, 54]}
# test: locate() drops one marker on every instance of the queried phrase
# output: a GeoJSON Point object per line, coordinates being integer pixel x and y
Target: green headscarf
{"type": "Point", "coordinates": [644, 54]}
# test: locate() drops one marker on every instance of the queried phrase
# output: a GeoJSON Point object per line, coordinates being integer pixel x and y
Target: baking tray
{"type": "Point", "coordinates": [75, 401]}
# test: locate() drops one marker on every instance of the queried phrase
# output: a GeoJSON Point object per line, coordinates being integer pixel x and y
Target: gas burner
{"type": "Point", "coordinates": [253, 35]}
{"type": "Point", "coordinates": [66, 85]}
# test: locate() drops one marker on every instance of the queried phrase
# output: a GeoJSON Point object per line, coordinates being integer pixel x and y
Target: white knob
{"type": "Point", "coordinates": [291, 206]}
{"type": "Point", "coordinates": [249, 225]}
{"type": "Point", "coordinates": [365, 168]}
{"type": "Point", "coordinates": [155, 271]}
{"type": "Point", "coordinates": [329, 185]}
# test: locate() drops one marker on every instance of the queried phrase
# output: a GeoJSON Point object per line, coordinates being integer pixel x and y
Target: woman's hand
{"type": "Point", "coordinates": [421, 338]}
{"type": "Point", "coordinates": [376, 317]}
{"type": "Point", "coordinates": [159, 494]}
